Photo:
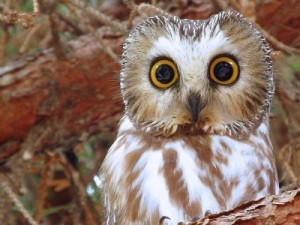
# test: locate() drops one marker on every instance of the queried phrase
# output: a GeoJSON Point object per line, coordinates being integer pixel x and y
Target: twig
{"type": "Point", "coordinates": [14, 198]}
{"type": "Point", "coordinates": [278, 44]}
{"type": "Point", "coordinates": [5, 206]}
{"type": "Point", "coordinates": [133, 12]}
{"type": "Point", "coordinates": [132, 15]}
{"type": "Point", "coordinates": [277, 55]}
{"type": "Point", "coordinates": [234, 4]}
{"type": "Point", "coordinates": [28, 37]}
{"type": "Point", "coordinates": [57, 44]}
{"type": "Point", "coordinates": [42, 189]}
{"type": "Point", "coordinates": [285, 161]}
{"type": "Point", "coordinates": [147, 10]}
{"type": "Point", "coordinates": [130, 4]}
{"type": "Point", "coordinates": [98, 15]}
{"type": "Point", "coordinates": [284, 101]}
{"type": "Point", "coordinates": [3, 43]}
{"type": "Point", "coordinates": [289, 171]}
{"type": "Point", "coordinates": [105, 47]}
{"type": "Point", "coordinates": [13, 17]}
{"type": "Point", "coordinates": [49, 7]}
{"type": "Point", "coordinates": [72, 26]}
{"type": "Point", "coordinates": [224, 5]}
{"type": "Point", "coordinates": [78, 183]}
{"type": "Point", "coordinates": [291, 186]}
{"type": "Point", "coordinates": [91, 30]}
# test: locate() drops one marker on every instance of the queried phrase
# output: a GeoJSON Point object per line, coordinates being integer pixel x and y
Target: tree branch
{"type": "Point", "coordinates": [48, 102]}
{"type": "Point", "coordinates": [282, 209]}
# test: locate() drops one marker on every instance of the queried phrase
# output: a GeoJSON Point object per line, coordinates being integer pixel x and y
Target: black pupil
{"type": "Point", "coordinates": [164, 74]}
{"type": "Point", "coordinates": [223, 71]}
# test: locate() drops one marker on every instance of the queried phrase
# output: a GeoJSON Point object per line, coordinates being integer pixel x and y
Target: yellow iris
{"type": "Point", "coordinates": [224, 70]}
{"type": "Point", "coordinates": [163, 73]}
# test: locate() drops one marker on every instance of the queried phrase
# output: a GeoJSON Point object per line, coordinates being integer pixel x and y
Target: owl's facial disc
{"type": "Point", "coordinates": [213, 76]}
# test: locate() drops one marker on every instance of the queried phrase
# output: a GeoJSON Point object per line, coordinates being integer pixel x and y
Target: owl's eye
{"type": "Point", "coordinates": [163, 73]}
{"type": "Point", "coordinates": [224, 70]}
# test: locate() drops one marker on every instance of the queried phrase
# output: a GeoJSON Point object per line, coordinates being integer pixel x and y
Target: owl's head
{"type": "Point", "coordinates": [213, 76]}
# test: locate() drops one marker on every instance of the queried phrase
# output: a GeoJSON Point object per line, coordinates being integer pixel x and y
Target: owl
{"type": "Point", "coordinates": [194, 136]}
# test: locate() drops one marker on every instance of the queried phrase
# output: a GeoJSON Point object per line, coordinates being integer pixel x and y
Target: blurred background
{"type": "Point", "coordinates": [60, 102]}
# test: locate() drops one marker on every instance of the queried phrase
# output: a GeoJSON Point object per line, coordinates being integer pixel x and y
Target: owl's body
{"type": "Point", "coordinates": [195, 133]}
{"type": "Point", "coordinates": [183, 176]}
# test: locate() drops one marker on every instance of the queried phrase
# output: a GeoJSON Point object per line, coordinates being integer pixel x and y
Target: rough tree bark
{"type": "Point", "coordinates": [47, 102]}
{"type": "Point", "coordinates": [283, 209]}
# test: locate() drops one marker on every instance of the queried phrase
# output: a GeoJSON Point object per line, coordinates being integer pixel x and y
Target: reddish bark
{"type": "Point", "coordinates": [283, 209]}
{"type": "Point", "coordinates": [47, 102]}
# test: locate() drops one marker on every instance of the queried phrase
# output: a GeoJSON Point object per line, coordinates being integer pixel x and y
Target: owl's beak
{"type": "Point", "coordinates": [195, 106]}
